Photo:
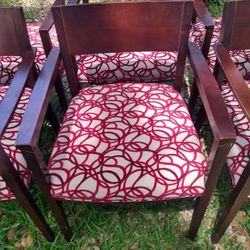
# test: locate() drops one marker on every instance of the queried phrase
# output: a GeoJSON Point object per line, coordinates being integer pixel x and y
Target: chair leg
{"type": "Point", "coordinates": [217, 159]}
{"type": "Point", "coordinates": [60, 93]}
{"type": "Point", "coordinates": [35, 162]}
{"type": "Point", "coordinates": [201, 118]}
{"type": "Point", "coordinates": [207, 41]}
{"type": "Point", "coordinates": [236, 200]}
{"type": "Point", "coordinates": [193, 97]}
{"type": "Point", "coordinates": [51, 116]}
{"type": "Point", "coordinates": [23, 196]}
{"type": "Point", "coordinates": [194, 16]}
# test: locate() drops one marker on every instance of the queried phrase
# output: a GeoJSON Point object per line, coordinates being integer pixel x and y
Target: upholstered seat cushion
{"type": "Point", "coordinates": [239, 154]}
{"type": "Point", "coordinates": [241, 58]}
{"type": "Point", "coordinates": [127, 142]}
{"type": "Point", "coordinates": [8, 144]}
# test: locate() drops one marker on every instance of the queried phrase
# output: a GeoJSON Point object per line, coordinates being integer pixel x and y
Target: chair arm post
{"type": "Point", "coordinates": [36, 164]}
{"type": "Point", "coordinates": [209, 91]}
{"type": "Point", "coordinates": [217, 158]}
{"type": "Point", "coordinates": [221, 126]}
{"type": "Point", "coordinates": [45, 28]}
{"type": "Point", "coordinates": [202, 12]}
{"type": "Point", "coordinates": [235, 80]}
{"type": "Point", "coordinates": [36, 109]}
{"type": "Point", "coordinates": [10, 101]}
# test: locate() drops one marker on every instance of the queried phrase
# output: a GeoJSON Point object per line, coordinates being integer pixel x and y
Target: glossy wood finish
{"type": "Point", "coordinates": [242, 189]}
{"type": "Point", "coordinates": [47, 45]}
{"type": "Point", "coordinates": [234, 78]}
{"type": "Point", "coordinates": [31, 132]}
{"type": "Point", "coordinates": [235, 28]}
{"type": "Point", "coordinates": [203, 14]}
{"type": "Point", "coordinates": [221, 127]}
{"type": "Point", "coordinates": [14, 41]}
{"type": "Point", "coordinates": [234, 35]}
{"type": "Point", "coordinates": [131, 13]}
{"type": "Point", "coordinates": [200, 10]}
{"type": "Point", "coordinates": [238, 197]}
{"type": "Point", "coordinates": [112, 22]}
{"type": "Point", "coordinates": [12, 27]}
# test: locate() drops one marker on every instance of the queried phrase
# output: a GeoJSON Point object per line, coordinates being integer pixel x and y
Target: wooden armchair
{"type": "Point", "coordinates": [223, 30]}
{"type": "Point", "coordinates": [14, 174]}
{"type": "Point", "coordinates": [236, 94]}
{"type": "Point", "coordinates": [140, 66]}
{"type": "Point", "coordinates": [128, 141]}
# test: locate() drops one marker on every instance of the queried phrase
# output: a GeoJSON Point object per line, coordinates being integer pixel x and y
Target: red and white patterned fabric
{"type": "Point", "coordinates": [108, 67]}
{"type": "Point", "coordinates": [127, 66]}
{"type": "Point", "coordinates": [239, 154]}
{"type": "Point", "coordinates": [95, 68]}
{"type": "Point", "coordinates": [127, 142]}
{"type": "Point", "coordinates": [8, 144]}
{"type": "Point", "coordinates": [9, 64]}
{"type": "Point", "coordinates": [240, 58]}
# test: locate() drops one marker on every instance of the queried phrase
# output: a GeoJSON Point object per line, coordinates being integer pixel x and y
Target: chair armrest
{"type": "Point", "coordinates": [48, 21]}
{"type": "Point", "coordinates": [212, 100]}
{"type": "Point", "coordinates": [235, 80]}
{"type": "Point", "coordinates": [203, 14]}
{"type": "Point", "coordinates": [11, 98]}
{"type": "Point", "coordinates": [35, 112]}
{"type": "Point", "coordinates": [45, 28]}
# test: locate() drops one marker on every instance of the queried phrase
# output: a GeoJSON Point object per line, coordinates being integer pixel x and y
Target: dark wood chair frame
{"type": "Point", "coordinates": [200, 10]}
{"type": "Point", "coordinates": [47, 45]}
{"type": "Point", "coordinates": [241, 191]}
{"type": "Point", "coordinates": [14, 41]}
{"type": "Point", "coordinates": [234, 35]}
{"type": "Point", "coordinates": [133, 39]}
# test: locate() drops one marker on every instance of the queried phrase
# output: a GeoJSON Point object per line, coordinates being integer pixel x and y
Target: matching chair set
{"type": "Point", "coordinates": [127, 134]}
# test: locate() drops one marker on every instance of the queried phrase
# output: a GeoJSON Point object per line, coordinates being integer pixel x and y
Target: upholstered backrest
{"type": "Point", "coordinates": [235, 30]}
{"type": "Point", "coordinates": [123, 27]}
{"type": "Point", "coordinates": [14, 39]}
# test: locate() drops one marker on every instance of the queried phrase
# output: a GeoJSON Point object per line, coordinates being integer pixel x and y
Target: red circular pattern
{"type": "Point", "coordinates": [127, 142]}
{"type": "Point", "coordinates": [241, 58]}
{"type": "Point", "coordinates": [127, 66]}
{"type": "Point", "coordinates": [106, 67]}
{"type": "Point", "coordinates": [239, 154]}
{"type": "Point", "coordinates": [8, 144]}
{"type": "Point", "coordinates": [9, 64]}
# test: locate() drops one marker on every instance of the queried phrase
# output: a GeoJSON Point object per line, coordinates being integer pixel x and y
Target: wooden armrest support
{"type": "Point", "coordinates": [35, 112]}
{"type": "Point", "coordinates": [212, 100]}
{"type": "Point", "coordinates": [48, 21]}
{"type": "Point", "coordinates": [235, 80]}
{"type": "Point", "coordinates": [45, 28]}
{"type": "Point", "coordinates": [10, 100]}
{"type": "Point", "coordinates": [202, 12]}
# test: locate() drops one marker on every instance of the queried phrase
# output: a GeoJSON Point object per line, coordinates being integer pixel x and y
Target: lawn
{"type": "Point", "coordinates": [157, 225]}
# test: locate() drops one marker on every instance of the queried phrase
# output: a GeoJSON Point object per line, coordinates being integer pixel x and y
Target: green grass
{"type": "Point", "coordinates": [156, 225]}
{"type": "Point", "coordinates": [215, 7]}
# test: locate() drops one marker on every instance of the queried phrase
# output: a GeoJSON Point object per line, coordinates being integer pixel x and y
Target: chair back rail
{"type": "Point", "coordinates": [110, 27]}
{"type": "Point", "coordinates": [14, 39]}
{"type": "Point", "coordinates": [235, 29]}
